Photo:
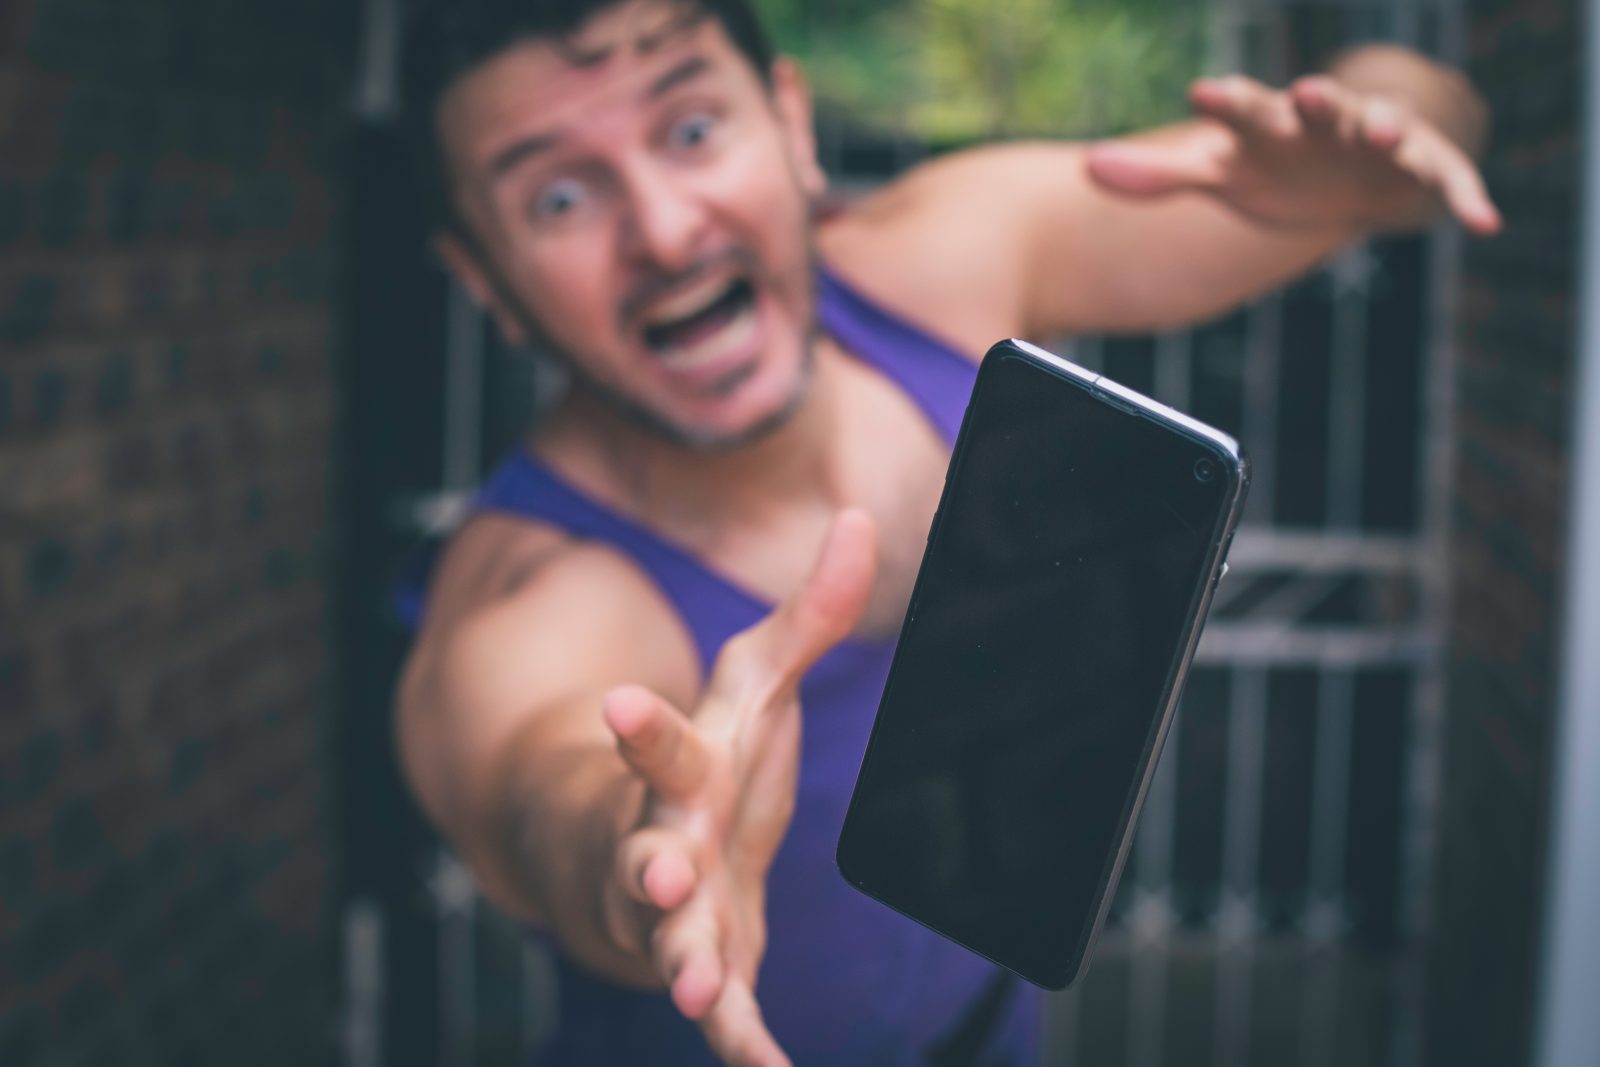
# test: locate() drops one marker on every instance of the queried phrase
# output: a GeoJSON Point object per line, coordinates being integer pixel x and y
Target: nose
{"type": "Point", "coordinates": [665, 223]}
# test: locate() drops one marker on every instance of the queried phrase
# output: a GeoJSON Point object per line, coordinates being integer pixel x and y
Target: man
{"type": "Point", "coordinates": [602, 710]}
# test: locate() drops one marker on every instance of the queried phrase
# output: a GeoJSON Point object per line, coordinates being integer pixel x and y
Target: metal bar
{"type": "Point", "coordinates": [1061, 1023]}
{"type": "Point", "coordinates": [376, 96]}
{"type": "Point", "coordinates": [1568, 1027]}
{"type": "Point", "coordinates": [1263, 326]}
{"type": "Point", "coordinates": [1404, 21]}
{"type": "Point", "coordinates": [1286, 605]}
{"type": "Point", "coordinates": [1324, 921]}
{"type": "Point", "coordinates": [361, 1032]}
{"type": "Point", "coordinates": [539, 994]}
{"type": "Point", "coordinates": [1147, 1016]}
{"type": "Point", "coordinates": [430, 513]}
{"type": "Point", "coordinates": [1152, 921]}
{"type": "Point", "coordinates": [1419, 830]}
{"type": "Point", "coordinates": [1421, 795]}
{"type": "Point", "coordinates": [1237, 920]}
{"type": "Point", "coordinates": [1350, 277]}
{"type": "Point", "coordinates": [1249, 644]}
{"type": "Point", "coordinates": [1174, 358]}
{"type": "Point", "coordinates": [1223, 38]}
{"type": "Point", "coordinates": [463, 391]}
{"type": "Point", "coordinates": [455, 902]}
{"type": "Point", "coordinates": [1266, 549]}
{"type": "Point", "coordinates": [528, 1002]}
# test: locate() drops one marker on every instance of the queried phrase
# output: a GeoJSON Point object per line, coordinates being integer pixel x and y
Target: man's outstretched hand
{"type": "Point", "coordinates": [1318, 153]}
{"type": "Point", "coordinates": [688, 888]}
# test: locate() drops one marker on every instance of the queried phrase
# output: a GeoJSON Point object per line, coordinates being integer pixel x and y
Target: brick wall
{"type": "Point", "coordinates": [1516, 334]}
{"type": "Point", "coordinates": [169, 283]}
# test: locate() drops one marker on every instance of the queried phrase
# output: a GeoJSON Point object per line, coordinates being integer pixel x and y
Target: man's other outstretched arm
{"type": "Point", "coordinates": [1180, 224]}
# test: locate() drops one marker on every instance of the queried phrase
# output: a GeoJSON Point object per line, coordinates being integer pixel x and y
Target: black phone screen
{"type": "Point", "coordinates": [1037, 657]}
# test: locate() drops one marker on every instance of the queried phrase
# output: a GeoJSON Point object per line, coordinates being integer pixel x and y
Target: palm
{"type": "Point", "coordinates": [690, 886]}
{"type": "Point", "coordinates": [740, 816]}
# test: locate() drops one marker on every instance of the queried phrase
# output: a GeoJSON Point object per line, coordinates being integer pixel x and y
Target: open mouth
{"type": "Point", "coordinates": [706, 329]}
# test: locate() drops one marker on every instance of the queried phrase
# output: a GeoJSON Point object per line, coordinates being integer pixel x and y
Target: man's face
{"type": "Point", "coordinates": [640, 200]}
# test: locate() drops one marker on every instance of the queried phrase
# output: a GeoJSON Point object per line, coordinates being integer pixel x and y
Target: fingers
{"type": "Point", "coordinates": [1369, 141]}
{"type": "Point", "coordinates": [687, 950]}
{"type": "Point", "coordinates": [1326, 108]}
{"type": "Point", "coordinates": [778, 650]}
{"type": "Point", "coordinates": [1320, 102]}
{"type": "Point", "coordinates": [652, 872]}
{"type": "Point", "coordinates": [1382, 124]}
{"type": "Point", "coordinates": [1442, 167]}
{"type": "Point", "coordinates": [826, 608]}
{"type": "Point", "coordinates": [656, 740]}
{"type": "Point", "coordinates": [1467, 198]}
{"type": "Point", "coordinates": [653, 867]}
{"type": "Point", "coordinates": [1317, 105]}
{"type": "Point", "coordinates": [737, 1033]}
{"type": "Point", "coordinates": [697, 984]}
{"type": "Point", "coordinates": [1249, 107]}
{"type": "Point", "coordinates": [1196, 160]}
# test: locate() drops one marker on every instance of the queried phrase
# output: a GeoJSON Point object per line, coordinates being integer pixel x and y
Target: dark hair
{"type": "Point", "coordinates": [446, 39]}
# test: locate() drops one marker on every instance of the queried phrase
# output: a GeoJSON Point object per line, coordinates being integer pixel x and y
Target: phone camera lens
{"type": "Point", "coordinates": [1205, 470]}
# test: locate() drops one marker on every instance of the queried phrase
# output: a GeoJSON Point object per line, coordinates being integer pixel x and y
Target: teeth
{"type": "Point", "coordinates": [737, 333]}
{"type": "Point", "coordinates": [681, 305]}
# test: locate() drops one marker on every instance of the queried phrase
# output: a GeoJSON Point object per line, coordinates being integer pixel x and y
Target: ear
{"type": "Point", "coordinates": [792, 96]}
{"type": "Point", "coordinates": [464, 265]}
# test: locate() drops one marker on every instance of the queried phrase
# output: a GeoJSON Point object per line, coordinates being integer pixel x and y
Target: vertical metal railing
{"type": "Point", "coordinates": [1324, 925]}
{"type": "Point", "coordinates": [1325, 920]}
{"type": "Point", "coordinates": [1448, 34]}
{"type": "Point", "coordinates": [1236, 922]}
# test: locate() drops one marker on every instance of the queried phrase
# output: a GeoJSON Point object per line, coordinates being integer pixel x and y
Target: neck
{"type": "Point", "coordinates": [686, 489]}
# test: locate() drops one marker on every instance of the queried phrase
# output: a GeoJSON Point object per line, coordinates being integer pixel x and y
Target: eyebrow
{"type": "Point", "coordinates": [511, 155]}
{"type": "Point", "coordinates": [687, 70]}
{"type": "Point", "coordinates": [514, 153]}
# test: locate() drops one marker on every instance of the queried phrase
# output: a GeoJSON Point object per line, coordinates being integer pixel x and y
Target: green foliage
{"type": "Point", "coordinates": [961, 70]}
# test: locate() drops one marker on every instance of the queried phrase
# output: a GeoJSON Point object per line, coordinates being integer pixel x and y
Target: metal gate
{"type": "Point", "coordinates": [1274, 907]}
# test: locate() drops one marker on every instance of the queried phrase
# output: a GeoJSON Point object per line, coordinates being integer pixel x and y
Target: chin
{"type": "Point", "coordinates": [749, 408]}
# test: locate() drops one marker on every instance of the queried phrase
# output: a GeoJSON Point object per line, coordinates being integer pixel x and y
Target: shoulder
{"type": "Point", "coordinates": [529, 629]}
{"type": "Point", "coordinates": [952, 243]}
{"type": "Point", "coordinates": [522, 613]}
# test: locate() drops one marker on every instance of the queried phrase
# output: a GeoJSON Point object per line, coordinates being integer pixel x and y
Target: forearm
{"type": "Point", "coordinates": [558, 814]}
{"type": "Point", "coordinates": [533, 800]}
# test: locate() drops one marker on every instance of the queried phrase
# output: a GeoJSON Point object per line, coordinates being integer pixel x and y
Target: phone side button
{"type": "Point", "coordinates": [1216, 579]}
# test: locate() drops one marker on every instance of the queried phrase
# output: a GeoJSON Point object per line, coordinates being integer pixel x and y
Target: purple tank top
{"type": "Point", "coordinates": [845, 981]}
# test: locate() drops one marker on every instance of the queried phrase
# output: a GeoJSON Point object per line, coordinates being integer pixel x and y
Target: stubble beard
{"type": "Point", "coordinates": [654, 424]}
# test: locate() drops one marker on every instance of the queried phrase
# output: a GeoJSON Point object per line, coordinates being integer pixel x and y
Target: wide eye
{"type": "Point", "coordinates": [559, 199]}
{"type": "Point", "coordinates": [692, 131]}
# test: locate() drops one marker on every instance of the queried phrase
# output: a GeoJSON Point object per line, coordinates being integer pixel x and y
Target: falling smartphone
{"type": "Point", "coordinates": [1081, 532]}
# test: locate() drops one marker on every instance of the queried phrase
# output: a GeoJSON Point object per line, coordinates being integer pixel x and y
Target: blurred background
{"type": "Point", "coordinates": [236, 396]}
